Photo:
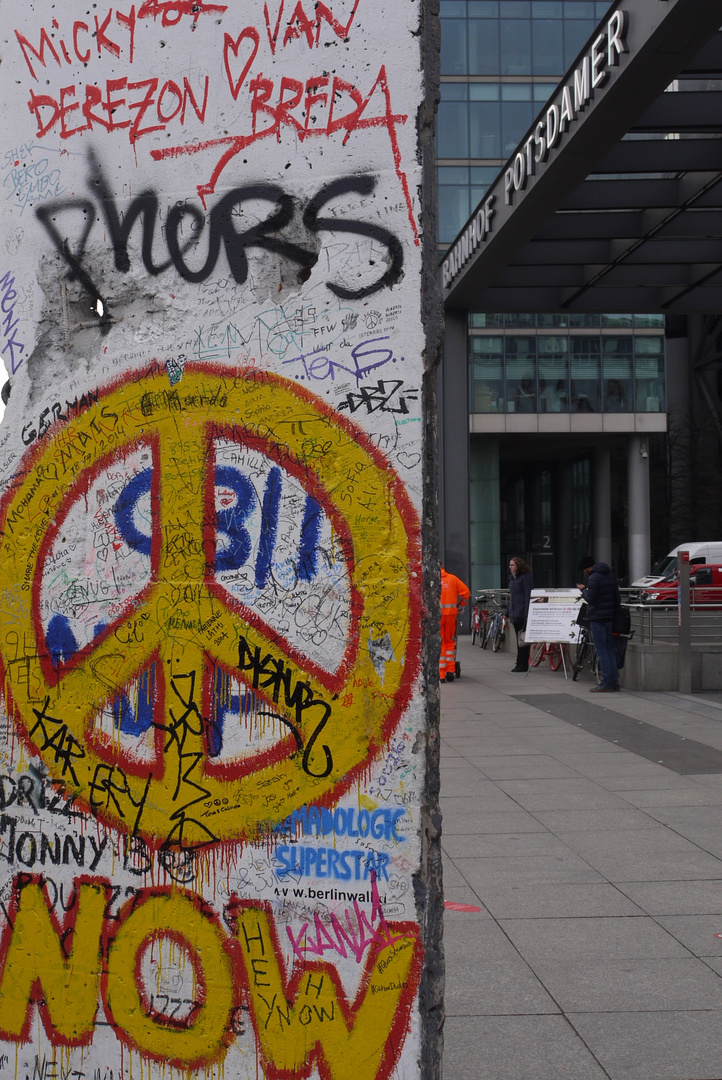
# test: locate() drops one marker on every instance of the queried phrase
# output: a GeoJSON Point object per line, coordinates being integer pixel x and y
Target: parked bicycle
{"type": "Point", "coordinates": [496, 627]}
{"type": "Point", "coordinates": [543, 650]}
{"type": "Point", "coordinates": [480, 619]}
{"type": "Point", "coordinates": [586, 655]}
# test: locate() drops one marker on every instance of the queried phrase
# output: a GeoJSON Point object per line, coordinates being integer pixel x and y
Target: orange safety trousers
{"type": "Point", "coordinates": [447, 658]}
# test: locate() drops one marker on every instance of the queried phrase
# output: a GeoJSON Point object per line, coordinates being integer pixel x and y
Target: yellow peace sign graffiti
{"type": "Point", "coordinates": [332, 723]}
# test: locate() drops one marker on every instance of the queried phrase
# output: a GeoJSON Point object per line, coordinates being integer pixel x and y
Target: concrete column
{"type": "Point", "coordinates": [602, 505]}
{"type": "Point", "coordinates": [565, 572]}
{"type": "Point", "coordinates": [454, 410]}
{"type": "Point", "coordinates": [639, 540]}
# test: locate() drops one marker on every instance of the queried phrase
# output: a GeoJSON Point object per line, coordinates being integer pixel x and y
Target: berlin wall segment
{"type": "Point", "coordinates": [218, 763]}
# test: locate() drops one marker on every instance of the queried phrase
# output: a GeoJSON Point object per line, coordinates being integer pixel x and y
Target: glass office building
{"type": "Point", "coordinates": [552, 398]}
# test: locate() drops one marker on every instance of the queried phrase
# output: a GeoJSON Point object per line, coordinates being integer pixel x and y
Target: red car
{"type": "Point", "coordinates": [705, 588]}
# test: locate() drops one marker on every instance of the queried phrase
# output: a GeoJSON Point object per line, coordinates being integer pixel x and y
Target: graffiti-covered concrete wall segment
{"type": "Point", "coordinates": [212, 770]}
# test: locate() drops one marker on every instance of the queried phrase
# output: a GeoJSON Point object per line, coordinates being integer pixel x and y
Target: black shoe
{"type": "Point", "coordinates": [603, 689]}
{"type": "Point", "coordinates": [517, 668]}
{"type": "Point", "coordinates": [449, 676]}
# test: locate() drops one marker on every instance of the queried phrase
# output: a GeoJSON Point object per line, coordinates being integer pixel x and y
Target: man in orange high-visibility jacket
{"type": "Point", "coordinates": [454, 596]}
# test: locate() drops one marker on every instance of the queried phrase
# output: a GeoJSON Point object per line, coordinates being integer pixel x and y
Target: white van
{"type": "Point", "coordinates": [707, 552]}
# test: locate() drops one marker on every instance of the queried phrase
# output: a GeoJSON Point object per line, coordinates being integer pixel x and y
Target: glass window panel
{"type": "Point", "coordinates": [585, 374]}
{"type": "Point", "coordinates": [452, 130]}
{"type": "Point", "coordinates": [484, 91]}
{"type": "Point", "coordinates": [552, 320]}
{"type": "Point", "coordinates": [485, 129]}
{"type": "Point", "coordinates": [520, 319]}
{"type": "Point", "coordinates": [487, 385]}
{"type": "Point", "coordinates": [483, 35]}
{"type": "Point", "coordinates": [542, 92]}
{"type": "Point", "coordinates": [452, 8]}
{"type": "Point", "coordinates": [617, 374]}
{"type": "Point", "coordinates": [453, 174]}
{"type": "Point", "coordinates": [454, 91]}
{"type": "Point", "coordinates": [579, 9]}
{"type": "Point", "coordinates": [583, 321]}
{"type": "Point", "coordinates": [453, 211]}
{"type": "Point", "coordinates": [576, 34]}
{"type": "Point", "coordinates": [483, 175]}
{"type": "Point", "coordinates": [521, 394]}
{"type": "Point", "coordinates": [516, 118]}
{"type": "Point", "coordinates": [515, 46]}
{"type": "Point", "coordinates": [617, 320]}
{"type": "Point", "coordinates": [546, 9]}
{"type": "Point", "coordinates": [515, 9]}
{"type": "Point", "coordinates": [649, 320]}
{"type": "Point", "coordinates": [648, 346]}
{"type": "Point", "coordinates": [552, 345]}
{"type": "Point", "coordinates": [649, 384]}
{"type": "Point", "coordinates": [516, 91]}
{"type": "Point", "coordinates": [476, 194]}
{"type": "Point", "coordinates": [485, 346]}
{"type": "Point", "coordinates": [548, 47]}
{"type": "Point", "coordinates": [484, 9]}
{"type": "Point", "coordinates": [481, 319]}
{"type": "Point", "coordinates": [453, 47]}
{"type": "Point", "coordinates": [553, 380]}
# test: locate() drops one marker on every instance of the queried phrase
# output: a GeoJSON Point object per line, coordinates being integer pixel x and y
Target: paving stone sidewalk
{"type": "Point", "coordinates": [587, 828]}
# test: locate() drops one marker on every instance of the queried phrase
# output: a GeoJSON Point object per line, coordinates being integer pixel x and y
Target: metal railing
{"type": "Point", "coordinates": [659, 624]}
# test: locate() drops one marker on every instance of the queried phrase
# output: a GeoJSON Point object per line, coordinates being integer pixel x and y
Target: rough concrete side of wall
{"type": "Point", "coordinates": [430, 902]}
{"type": "Point", "coordinates": [219, 826]}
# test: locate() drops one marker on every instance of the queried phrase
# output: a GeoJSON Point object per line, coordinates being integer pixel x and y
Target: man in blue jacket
{"type": "Point", "coordinates": [602, 595]}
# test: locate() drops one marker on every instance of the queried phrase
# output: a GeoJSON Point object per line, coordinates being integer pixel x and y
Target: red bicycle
{"type": "Point", "coordinates": [480, 619]}
{"type": "Point", "coordinates": [541, 650]}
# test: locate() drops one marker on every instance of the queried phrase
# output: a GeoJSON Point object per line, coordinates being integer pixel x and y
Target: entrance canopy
{"type": "Point", "coordinates": [613, 199]}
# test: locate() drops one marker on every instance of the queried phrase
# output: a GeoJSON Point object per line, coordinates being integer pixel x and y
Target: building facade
{"type": "Point", "coordinates": [566, 412]}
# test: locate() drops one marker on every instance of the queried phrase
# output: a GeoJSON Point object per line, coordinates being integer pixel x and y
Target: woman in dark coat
{"type": "Point", "coordinates": [520, 587]}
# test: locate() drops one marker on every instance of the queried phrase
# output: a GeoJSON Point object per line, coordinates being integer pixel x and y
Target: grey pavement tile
{"type": "Point", "coordinates": [581, 940]}
{"type": "Point", "coordinates": [567, 821]}
{"type": "Point", "coordinates": [460, 924]}
{"type": "Point", "coordinates": [486, 744]}
{"type": "Point", "coordinates": [623, 783]}
{"type": "Point", "coordinates": [708, 838]}
{"type": "Point", "coordinates": [560, 794]}
{"type": "Point", "coordinates": [679, 816]}
{"type": "Point", "coordinates": [474, 822]}
{"type": "Point", "coordinates": [626, 843]}
{"type": "Point", "coordinates": [456, 783]}
{"type": "Point", "coordinates": [516, 1048]}
{"type": "Point", "coordinates": [675, 897]}
{"type": "Point", "coordinates": [713, 962]}
{"type": "Point", "coordinates": [701, 934]}
{"type": "Point", "coordinates": [654, 1045]}
{"type": "Point", "coordinates": [657, 866]}
{"type": "Point", "coordinates": [486, 976]}
{"type": "Point", "coordinates": [493, 800]}
{"type": "Point", "coordinates": [565, 867]}
{"type": "Point", "coordinates": [453, 877]}
{"type": "Point", "coordinates": [460, 769]}
{"type": "Point", "coordinates": [638, 985]}
{"type": "Point", "coordinates": [687, 796]}
{"type": "Point", "coordinates": [502, 844]}
{"type": "Point", "coordinates": [527, 767]}
{"type": "Point", "coordinates": [464, 894]}
{"type": "Point", "coordinates": [579, 900]}
{"type": "Point", "coordinates": [587, 757]}
{"type": "Point", "coordinates": [708, 779]}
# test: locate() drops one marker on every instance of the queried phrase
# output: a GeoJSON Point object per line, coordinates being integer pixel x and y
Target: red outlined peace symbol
{"type": "Point", "coordinates": [335, 722]}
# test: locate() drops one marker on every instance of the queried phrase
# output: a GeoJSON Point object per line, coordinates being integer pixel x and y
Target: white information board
{"type": "Point", "coordinates": [553, 615]}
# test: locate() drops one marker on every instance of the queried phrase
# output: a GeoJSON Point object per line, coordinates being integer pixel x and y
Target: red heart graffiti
{"type": "Point", "coordinates": [229, 45]}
